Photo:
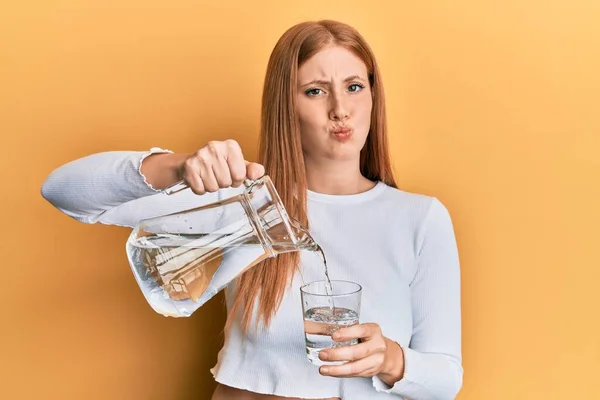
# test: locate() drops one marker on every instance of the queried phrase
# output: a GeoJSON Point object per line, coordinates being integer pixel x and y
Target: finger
{"type": "Point", "coordinates": [364, 367]}
{"type": "Point", "coordinates": [254, 170]}
{"type": "Point", "coordinates": [195, 184]}
{"type": "Point", "coordinates": [236, 164]}
{"type": "Point", "coordinates": [192, 178]}
{"type": "Point", "coordinates": [220, 170]}
{"type": "Point", "coordinates": [319, 328]}
{"type": "Point", "coordinates": [352, 352]}
{"type": "Point", "coordinates": [208, 176]}
{"type": "Point", "coordinates": [359, 331]}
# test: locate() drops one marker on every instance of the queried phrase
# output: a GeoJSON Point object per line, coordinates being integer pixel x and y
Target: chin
{"type": "Point", "coordinates": [343, 154]}
{"type": "Point", "coordinates": [346, 150]}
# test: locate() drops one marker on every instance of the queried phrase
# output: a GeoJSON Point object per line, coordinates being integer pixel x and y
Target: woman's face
{"type": "Point", "coordinates": [334, 105]}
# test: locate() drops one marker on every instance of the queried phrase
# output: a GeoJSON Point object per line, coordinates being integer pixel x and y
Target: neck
{"type": "Point", "coordinates": [336, 177]}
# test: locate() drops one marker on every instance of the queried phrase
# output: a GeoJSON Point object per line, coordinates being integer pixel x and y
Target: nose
{"type": "Point", "coordinates": [338, 109]}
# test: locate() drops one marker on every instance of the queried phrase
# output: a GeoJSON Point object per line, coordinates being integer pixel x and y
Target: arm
{"type": "Point", "coordinates": [114, 187]}
{"type": "Point", "coordinates": [432, 363]}
{"type": "Point", "coordinates": [430, 368]}
{"type": "Point", "coordinates": [122, 187]}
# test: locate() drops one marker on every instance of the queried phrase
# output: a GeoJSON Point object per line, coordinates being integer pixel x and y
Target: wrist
{"type": "Point", "coordinates": [393, 368]}
{"type": "Point", "coordinates": [163, 169]}
{"type": "Point", "coordinates": [176, 163]}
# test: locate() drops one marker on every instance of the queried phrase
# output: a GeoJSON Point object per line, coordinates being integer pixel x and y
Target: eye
{"type": "Point", "coordinates": [355, 87]}
{"type": "Point", "coordinates": [313, 92]}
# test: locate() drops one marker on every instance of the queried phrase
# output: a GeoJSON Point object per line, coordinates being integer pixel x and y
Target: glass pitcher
{"type": "Point", "coordinates": [181, 260]}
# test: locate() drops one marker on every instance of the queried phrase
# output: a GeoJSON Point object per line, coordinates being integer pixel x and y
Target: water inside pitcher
{"type": "Point", "coordinates": [181, 260]}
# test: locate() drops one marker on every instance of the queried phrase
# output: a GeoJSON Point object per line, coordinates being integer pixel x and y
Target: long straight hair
{"type": "Point", "coordinates": [280, 152]}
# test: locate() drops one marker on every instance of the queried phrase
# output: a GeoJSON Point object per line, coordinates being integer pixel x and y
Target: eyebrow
{"type": "Point", "coordinates": [322, 82]}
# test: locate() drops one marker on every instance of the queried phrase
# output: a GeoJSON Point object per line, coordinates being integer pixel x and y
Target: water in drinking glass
{"type": "Point", "coordinates": [328, 306]}
{"type": "Point", "coordinates": [319, 324]}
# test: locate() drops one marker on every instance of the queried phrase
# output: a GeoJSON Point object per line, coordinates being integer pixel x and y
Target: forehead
{"type": "Point", "coordinates": [333, 62]}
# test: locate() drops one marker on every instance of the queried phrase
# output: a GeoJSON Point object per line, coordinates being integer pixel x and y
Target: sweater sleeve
{"type": "Point", "coordinates": [109, 188]}
{"type": "Point", "coordinates": [433, 362]}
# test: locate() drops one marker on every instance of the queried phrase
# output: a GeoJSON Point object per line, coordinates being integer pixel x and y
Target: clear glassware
{"type": "Point", "coordinates": [326, 307]}
{"type": "Point", "coordinates": [181, 260]}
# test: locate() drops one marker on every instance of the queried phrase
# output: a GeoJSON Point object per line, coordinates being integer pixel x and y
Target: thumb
{"type": "Point", "coordinates": [254, 170]}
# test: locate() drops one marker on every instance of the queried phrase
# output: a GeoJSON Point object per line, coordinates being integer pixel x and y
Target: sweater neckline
{"type": "Point", "coordinates": [347, 198]}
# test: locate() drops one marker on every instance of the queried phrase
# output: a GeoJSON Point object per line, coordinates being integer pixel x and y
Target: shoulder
{"type": "Point", "coordinates": [417, 200]}
{"type": "Point", "coordinates": [417, 204]}
{"type": "Point", "coordinates": [425, 212]}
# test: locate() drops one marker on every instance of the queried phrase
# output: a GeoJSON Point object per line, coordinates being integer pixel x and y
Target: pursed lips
{"type": "Point", "coordinates": [342, 133]}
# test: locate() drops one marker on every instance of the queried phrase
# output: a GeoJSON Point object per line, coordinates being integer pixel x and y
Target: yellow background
{"type": "Point", "coordinates": [493, 107]}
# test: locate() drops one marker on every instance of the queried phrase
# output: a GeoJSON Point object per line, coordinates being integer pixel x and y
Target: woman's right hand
{"type": "Point", "coordinates": [219, 164]}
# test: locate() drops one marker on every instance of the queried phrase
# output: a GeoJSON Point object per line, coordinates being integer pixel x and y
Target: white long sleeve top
{"type": "Point", "coordinates": [400, 247]}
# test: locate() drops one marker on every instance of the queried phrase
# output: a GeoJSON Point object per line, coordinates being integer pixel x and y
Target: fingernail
{"type": "Point", "coordinates": [335, 336]}
{"type": "Point", "coordinates": [324, 370]}
{"type": "Point", "coordinates": [323, 355]}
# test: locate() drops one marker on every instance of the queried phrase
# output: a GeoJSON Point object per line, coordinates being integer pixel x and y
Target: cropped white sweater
{"type": "Point", "coordinates": [399, 246]}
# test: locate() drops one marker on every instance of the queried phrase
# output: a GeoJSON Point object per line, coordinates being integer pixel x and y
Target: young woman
{"type": "Point", "coordinates": [323, 142]}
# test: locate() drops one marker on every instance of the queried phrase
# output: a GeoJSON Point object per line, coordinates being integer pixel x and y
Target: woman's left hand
{"type": "Point", "coordinates": [374, 355]}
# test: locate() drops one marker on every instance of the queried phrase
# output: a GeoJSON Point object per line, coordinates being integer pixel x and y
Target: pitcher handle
{"type": "Point", "coordinates": [175, 188]}
{"type": "Point", "coordinates": [181, 185]}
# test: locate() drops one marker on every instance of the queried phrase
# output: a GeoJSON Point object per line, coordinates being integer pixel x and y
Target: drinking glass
{"type": "Point", "coordinates": [326, 308]}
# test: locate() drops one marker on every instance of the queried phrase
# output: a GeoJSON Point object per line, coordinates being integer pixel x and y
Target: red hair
{"type": "Point", "coordinates": [280, 151]}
